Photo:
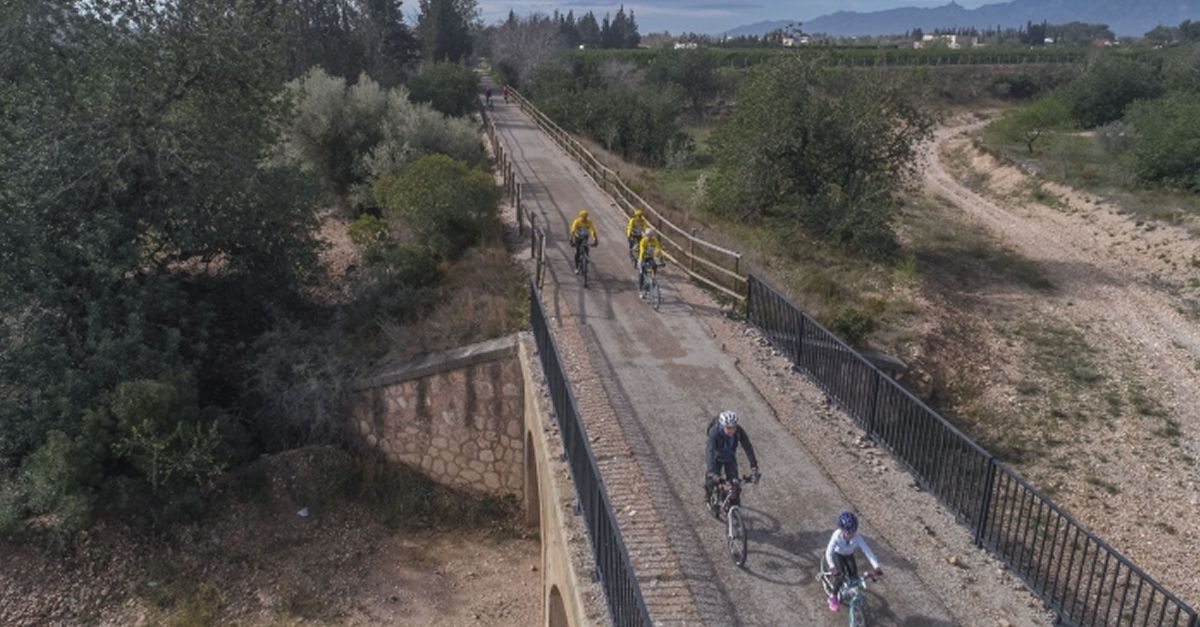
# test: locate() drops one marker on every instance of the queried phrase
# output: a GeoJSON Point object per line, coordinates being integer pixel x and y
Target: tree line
{"type": "Point", "coordinates": [163, 169]}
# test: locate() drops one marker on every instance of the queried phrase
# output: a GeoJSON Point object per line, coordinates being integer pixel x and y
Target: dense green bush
{"type": "Point", "coordinates": [852, 325]}
{"type": "Point", "coordinates": [821, 149]}
{"type": "Point", "coordinates": [143, 233]}
{"type": "Point", "coordinates": [351, 135]}
{"type": "Point", "coordinates": [637, 121]}
{"type": "Point", "coordinates": [1014, 86]}
{"type": "Point", "coordinates": [1166, 145]}
{"type": "Point", "coordinates": [449, 88]}
{"type": "Point", "coordinates": [446, 205]}
{"type": "Point", "coordinates": [1108, 85]}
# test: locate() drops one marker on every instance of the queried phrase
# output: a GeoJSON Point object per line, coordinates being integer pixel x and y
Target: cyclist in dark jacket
{"type": "Point", "coordinates": [724, 435]}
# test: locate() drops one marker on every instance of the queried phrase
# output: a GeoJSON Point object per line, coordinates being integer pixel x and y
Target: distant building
{"type": "Point", "coordinates": [686, 45]}
{"type": "Point", "coordinates": [1103, 43]}
{"type": "Point", "coordinates": [954, 42]}
{"type": "Point", "coordinates": [792, 42]}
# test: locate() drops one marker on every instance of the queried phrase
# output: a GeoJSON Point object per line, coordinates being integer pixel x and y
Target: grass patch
{"type": "Point", "coordinates": [1097, 482]}
{"type": "Point", "coordinates": [1166, 528]}
{"type": "Point", "coordinates": [1062, 353]}
{"type": "Point", "coordinates": [965, 256]}
{"type": "Point", "coordinates": [1078, 160]}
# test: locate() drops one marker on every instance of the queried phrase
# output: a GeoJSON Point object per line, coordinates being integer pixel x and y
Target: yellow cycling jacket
{"type": "Point", "coordinates": [640, 223]}
{"type": "Point", "coordinates": [650, 247]}
{"type": "Point", "coordinates": [583, 223]}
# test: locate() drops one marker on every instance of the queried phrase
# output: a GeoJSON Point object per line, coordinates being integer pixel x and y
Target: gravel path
{"type": "Point", "coordinates": [650, 381]}
{"type": "Point", "coordinates": [1130, 290]}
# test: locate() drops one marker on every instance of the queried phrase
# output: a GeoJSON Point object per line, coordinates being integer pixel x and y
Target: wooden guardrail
{"type": "Point", "coordinates": [719, 268]}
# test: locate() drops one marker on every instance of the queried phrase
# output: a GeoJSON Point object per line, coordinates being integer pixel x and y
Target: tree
{"type": "Point", "coordinates": [822, 149]}
{"type": "Point", "coordinates": [1166, 145]}
{"type": "Point", "coordinates": [589, 31]}
{"type": "Point", "coordinates": [526, 45]}
{"type": "Point", "coordinates": [1162, 35]}
{"type": "Point", "coordinates": [145, 233]}
{"type": "Point", "coordinates": [1107, 85]}
{"type": "Point", "coordinates": [389, 47]}
{"type": "Point", "coordinates": [444, 28]}
{"type": "Point", "coordinates": [448, 87]}
{"type": "Point", "coordinates": [1189, 30]}
{"type": "Point", "coordinates": [1029, 123]}
{"type": "Point", "coordinates": [694, 71]}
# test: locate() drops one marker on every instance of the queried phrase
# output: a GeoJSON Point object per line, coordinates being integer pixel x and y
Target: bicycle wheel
{"type": "Point", "coordinates": [655, 293]}
{"type": "Point", "coordinates": [858, 611]}
{"type": "Point", "coordinates": [737, 536]}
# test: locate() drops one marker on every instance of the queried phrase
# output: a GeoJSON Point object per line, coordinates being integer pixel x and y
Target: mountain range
{"type": "Point", "coordinates": [1124, 17]}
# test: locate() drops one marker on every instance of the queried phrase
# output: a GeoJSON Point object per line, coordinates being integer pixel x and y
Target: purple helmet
{"type": "Point", "coordinates": [848, 522]}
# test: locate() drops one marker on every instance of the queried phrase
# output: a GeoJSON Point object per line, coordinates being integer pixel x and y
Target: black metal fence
{"type": "Point", "coordinates": [614, 570]}
{"type": "Point", "coordinates": [1076, 574]}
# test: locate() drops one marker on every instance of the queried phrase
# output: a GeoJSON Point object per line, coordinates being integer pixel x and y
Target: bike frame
{"type": "Point", "coordinates": [853, 593]}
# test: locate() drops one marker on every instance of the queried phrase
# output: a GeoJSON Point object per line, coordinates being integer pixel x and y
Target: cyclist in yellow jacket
{"type": "Point", "coordinates": [582, 229]}
{"type": "Point", "coordinates": [649, 255]}
{"type": "Point", "coordinates": [637, 225]}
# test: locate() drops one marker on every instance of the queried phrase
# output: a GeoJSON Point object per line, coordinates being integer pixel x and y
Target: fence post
{"type": "Point", "coordinates": [800, 344]}
{"type": "Point", "coordinates": [520, 216]}
{"type": "Point", "coordinates": [985, 505]}
{"type": "Point", "coordinates": [874, 402]}
{"type": "Point", "coordinates": [749, 297]}
{"type": "Point", "coordinates": [533, 235]}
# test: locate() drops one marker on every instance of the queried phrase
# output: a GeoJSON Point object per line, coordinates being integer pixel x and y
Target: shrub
{"type": "Point", "coordinates": [161, 432]}
{"type": "Point", "coordinates": [350, 136]}
{"type": "Point", "coordinates": [449, 206]}
{"type": "Point", "coordinates": [852, 325]}
{"type": "Point", "coordinates": [1167, 140]}
{"type": "Point", "coordinates": [334, 127]}
{"type": "Point", "coordinates": [1014, 86]}
{"type": "Point", "coordinates": [1115, 138]}
{"type": "Point", "coordinates": [449, 88]}
{"type": "Point", "coordinates": [1107, 86]}
{"type": "Point", "coordinates": [413, 131]}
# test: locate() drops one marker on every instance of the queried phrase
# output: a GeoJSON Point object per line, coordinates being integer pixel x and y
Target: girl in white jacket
{"type": "Point", "coordinates": [840, 555]}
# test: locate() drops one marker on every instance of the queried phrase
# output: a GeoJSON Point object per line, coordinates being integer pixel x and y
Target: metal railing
{"type": "Point", "coordinates": [514, 193]}
{"type": "Point", "coordinates": [614, 570]}
{"type": "Point", "coordinates": [719, 268]}
{"type": "Point", "coordinates": [1078, 575]}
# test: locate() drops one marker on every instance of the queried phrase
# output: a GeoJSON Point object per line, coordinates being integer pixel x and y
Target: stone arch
{"type": "Point", "coordinates": [556, 612]}
{"type": "Point", "coordinates": [533, 504]}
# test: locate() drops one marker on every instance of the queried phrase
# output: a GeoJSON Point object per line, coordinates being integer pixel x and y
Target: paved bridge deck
{"type": "Point", "coordinates": [648, 383]}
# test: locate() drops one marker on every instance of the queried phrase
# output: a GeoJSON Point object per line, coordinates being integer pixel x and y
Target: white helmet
{"type": "Point", "coordinates": [650, 232]}
{"type": "Point", "coordinates": [728, 418]}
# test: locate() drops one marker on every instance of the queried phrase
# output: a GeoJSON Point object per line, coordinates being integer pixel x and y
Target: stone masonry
{"type": "Point", "coordinates": [457, 416]}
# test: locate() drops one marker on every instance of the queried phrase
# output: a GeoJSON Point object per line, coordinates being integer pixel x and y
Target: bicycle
{"type": "Point", "coordinates": [582, 256]}
{"type": "Point", "coordinates": [853, 594]}
{"type": "Point", "coordinates": [726, 499]}
{"type": "Point", "coordinates": [650, 284]}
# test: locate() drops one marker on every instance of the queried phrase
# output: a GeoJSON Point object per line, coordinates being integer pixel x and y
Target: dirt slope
{"type": "Point", "coordinates": [1118, 426]}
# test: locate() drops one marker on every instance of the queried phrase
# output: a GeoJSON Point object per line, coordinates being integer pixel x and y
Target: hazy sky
{"type": "Point", "coordinates": [707, 16]}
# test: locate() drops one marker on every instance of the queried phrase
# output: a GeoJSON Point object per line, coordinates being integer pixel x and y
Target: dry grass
{"type": "Point", "coordinates": [485, 296]}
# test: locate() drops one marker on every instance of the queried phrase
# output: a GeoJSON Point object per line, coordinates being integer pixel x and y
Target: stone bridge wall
{"type": "Point", "coordinates": [458, 416]}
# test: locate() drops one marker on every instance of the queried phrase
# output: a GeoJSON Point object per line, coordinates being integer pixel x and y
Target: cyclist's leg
{"type": "Point", "coordinates": [641, 275]}
{"type": "Point", "coordinates": [847, 570]}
